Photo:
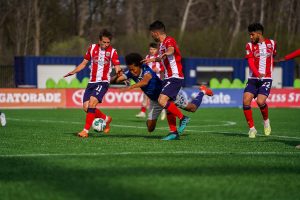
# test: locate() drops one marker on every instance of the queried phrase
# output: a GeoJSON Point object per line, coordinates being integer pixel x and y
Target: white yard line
{"type": "Point", "coordinates": [203, 153]}
{"type": "Point", "coordinates": [225, 123]}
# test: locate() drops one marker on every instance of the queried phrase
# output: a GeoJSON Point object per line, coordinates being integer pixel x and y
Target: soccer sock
{"type": "Point", "coordinates": [264, 111]}
{"type": "Point", "coordinates": [248, 116]}
{"type": "Point", "coordinates": [143, 109]}
{"type": "Point", "coordinates": [90, 116]}
{"type": "Point", "coordinates": [171, 107]}
{"type": "Point", "coordinates": [172, 122]}
{"type": "Point", "coordinates": [198, 100]}
{"type": "Point", "coordinates": [99, 114]}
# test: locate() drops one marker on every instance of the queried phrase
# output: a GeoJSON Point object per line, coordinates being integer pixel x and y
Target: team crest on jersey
{"type": "Point", "coordinates": [269, 45]}
{"type": "Point", "coordinates": [107, 54]}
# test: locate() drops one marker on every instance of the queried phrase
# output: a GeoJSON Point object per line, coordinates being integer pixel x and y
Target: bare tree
{"type": "Point", "coordinates": [238, 12]}
{"type": "Point", "coordinates": [37, 20]}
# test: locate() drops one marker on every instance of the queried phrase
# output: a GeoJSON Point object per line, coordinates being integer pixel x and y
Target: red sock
{"type": "Point", "coordinates": [264, 111]}
{"type": "Point", "coordinates": [143, 109]}
{"type": "Point", "coordinates": [90, 116]}
{"type": "Point", "coordinates": [172, 108]}
{"type": "Point", "coordinates": [248, 116]}
{"type": "Point", "coordinates": [99, 114]}
{"type": "Point", "coordinates": [172, 122]}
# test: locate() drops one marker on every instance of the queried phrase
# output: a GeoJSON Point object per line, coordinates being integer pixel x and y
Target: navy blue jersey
{"type": "Point", "coordinates": [154, 86]}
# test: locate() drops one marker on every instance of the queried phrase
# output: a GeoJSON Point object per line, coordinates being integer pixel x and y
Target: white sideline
{"type": "Point", "coordinates": [203, 153]}
{"type": "Point", "coordinates": [226, 123]}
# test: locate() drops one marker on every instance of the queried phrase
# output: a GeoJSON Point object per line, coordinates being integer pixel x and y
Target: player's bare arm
{"type": "Point", "coordinates": [170, 51]}
{"type": "Point", "coordinates": [78, 68]}
{"type": "Point", "coordinates": [149, 60]}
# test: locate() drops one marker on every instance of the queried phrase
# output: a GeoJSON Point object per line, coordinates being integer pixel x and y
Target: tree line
{"type": "Point", "coordinates": [203, 28]}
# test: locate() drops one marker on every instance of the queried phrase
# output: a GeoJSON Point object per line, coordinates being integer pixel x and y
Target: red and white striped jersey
{"type": "Point", "coordinates": [263, 54]}
{"type": "Point", "coordinates": [102, 61]}
{"type": "Point", "coordinates": [157, 67]}
{"type": "Point", "coordinates": [172, 63]}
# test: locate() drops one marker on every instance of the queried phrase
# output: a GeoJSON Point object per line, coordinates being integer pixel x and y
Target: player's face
{"type": "Point", "coordinates": [104, 42]}
{"type": "Point", "coordinates": [155, 35]}
{"type": "Point", "coordinates": [134, 70]}
{"type": "Point", "coordinates": [254, 37]}
{"type": "Point", "coordinates": [152, 51]}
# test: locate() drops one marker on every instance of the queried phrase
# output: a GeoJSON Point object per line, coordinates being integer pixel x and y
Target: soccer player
{"type": "Point", "coordinates": [151, 85]}
{"type": "Point", "coordinates": [259, 52]}
{"type": "Point", "coordinates": [2, 119]}
{"type": "Point", "coordinates": [170, 57]}
{"type": "Point", "coordinates": [159, 69]}
{"type": "Point", "coordinates": [102, 56]}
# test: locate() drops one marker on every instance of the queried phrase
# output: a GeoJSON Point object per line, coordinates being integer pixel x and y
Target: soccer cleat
{"type": "Point", "coordinates": [141, 115]}
{"type": "Point", "coordinates": [183, 123]}
{"type": "Point", "coordinates": [83, 134]}
{"type": "Point", "coordinates": [252, 133]}
{"type": "Point", "coordinates": [163, 114]}
{"type": "Point", "coordinates": [298, 146]}
{"type": "Point", "coordinates": [2, 119]}
{"type": "Point", "coordinates": [206, 90]}
{"type": "Point", "coordinates": [267, 129]}
{"type": "Point", "coordinates": [171, 136]}
{"type": "Point", "coordinates": [107, 127]}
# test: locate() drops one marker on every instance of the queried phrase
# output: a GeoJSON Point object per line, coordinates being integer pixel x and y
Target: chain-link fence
{"type": "Point", "coordinates": [7, 76]}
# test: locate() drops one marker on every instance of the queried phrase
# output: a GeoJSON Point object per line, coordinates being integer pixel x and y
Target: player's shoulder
{"type": "Point", "coordinates": [170, 39]}
{"type": "Point", "coordinates": [273, 42]}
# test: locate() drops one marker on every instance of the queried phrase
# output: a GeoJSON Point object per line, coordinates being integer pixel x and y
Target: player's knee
{"type": "Point", "coordinates": [260, 102]}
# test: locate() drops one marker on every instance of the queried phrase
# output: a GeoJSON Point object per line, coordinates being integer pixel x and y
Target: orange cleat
{"type": "Point", "coordinates": [206, 90]}
{"type": "Point", "coordinates": [83, 134]}
{"type": "Point", "coordinates": [107, 127]}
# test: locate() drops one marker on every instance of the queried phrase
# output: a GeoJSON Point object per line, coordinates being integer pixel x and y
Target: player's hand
{"type": "Point", "coordinates": [261, 76]}
{"type": "Point", "coordinates": [68, 74]}
{"type": "Point", "coordinates": [145, 61]}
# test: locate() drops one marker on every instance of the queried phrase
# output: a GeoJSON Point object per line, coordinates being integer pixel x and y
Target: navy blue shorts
{"type": "Point", "coordinates": [97, 90]}
{"type": "Point", "coordinates": [171, 87]}
{"type": "Point", "coordinates": [256, 86]}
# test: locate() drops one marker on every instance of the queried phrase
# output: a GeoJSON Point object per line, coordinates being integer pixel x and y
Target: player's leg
{"type": "Point", "coordinates": [263, 93]}
{"type": "Point", "coordinates": [95, 92]}
{"type": "Point", "coordinates": [163, 114]}
{"type": "Point", "coordinates": [2, 119]}
{"type": "Point", "coordinates": [154, 111]}
{"type": "Point", "coordinates": [142, 113]}
{"type": "Point", "coordinates": [247, 99]}
{"type": "Point", "coordinates": [169, 92]}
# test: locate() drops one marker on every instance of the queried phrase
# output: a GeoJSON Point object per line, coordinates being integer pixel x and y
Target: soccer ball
{"type": "Point", "coordinates": [99, 124]}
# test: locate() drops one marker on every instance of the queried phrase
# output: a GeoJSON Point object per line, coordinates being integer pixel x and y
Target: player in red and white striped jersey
{"type": "Point", "coordinates": [260, 53]}
{"type": "Point", "coordinates": [170, 57]}
{"type": "Point", "coordinates": [158, 68]}
{"type": "Point", "coordinates": [102, 57]}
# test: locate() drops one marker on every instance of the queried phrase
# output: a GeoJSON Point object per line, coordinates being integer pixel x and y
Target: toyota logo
{"type": "Point", "coordinates": [78, 97]}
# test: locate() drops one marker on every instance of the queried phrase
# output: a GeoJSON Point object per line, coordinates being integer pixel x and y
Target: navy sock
{"type": "Point", "coordinates": [198, 100]}
{"type": "Point", "coordinates": [91, 110]}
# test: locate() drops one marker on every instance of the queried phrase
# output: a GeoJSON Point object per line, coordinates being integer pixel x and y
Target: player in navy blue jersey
{"type": "Point", "coordinates": [151, 85]}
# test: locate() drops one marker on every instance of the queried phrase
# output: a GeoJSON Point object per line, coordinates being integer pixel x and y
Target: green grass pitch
{"type": "Point", "coordinates": [42, 158]}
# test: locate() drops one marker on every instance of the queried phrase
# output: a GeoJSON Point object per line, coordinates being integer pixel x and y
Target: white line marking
{"type": "Point", "coordinates": [229, 123]}
{"type": "Point", "coordinates": [157, 153]}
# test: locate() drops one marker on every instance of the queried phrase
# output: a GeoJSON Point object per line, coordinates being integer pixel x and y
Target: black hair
{"type": "Point", "coordinates": [256, 27]}
{"type": "Point", "coordinates": [153, 45]}
{"type": "Point", "coordinates": [157, 26]}
{"type": "Point", "coordinates": [133, 58]}
{"type": "Point", "coordinates": [105, 33]}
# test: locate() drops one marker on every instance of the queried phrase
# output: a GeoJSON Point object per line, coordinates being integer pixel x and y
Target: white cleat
{"type": "Point", "coordinates": [2, 119]}
{"type": "Point", "coordinates": [298, 146]}
{"type": "Point", "coordinates": [141, 115]}
{"type": "Point", "coordinates": [252, 133]}
{"type": "Point", "coordinates": [163, 114]}
{"type": "Point", "coordinates": [267, 129]}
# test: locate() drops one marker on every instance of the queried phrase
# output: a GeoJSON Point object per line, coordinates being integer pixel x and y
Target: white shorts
{"type": "Point", "coordinates": [155, 109]}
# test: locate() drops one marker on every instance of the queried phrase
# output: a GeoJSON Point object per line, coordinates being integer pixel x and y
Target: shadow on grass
{"type": "Point", "coordinates": [92, 178]}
